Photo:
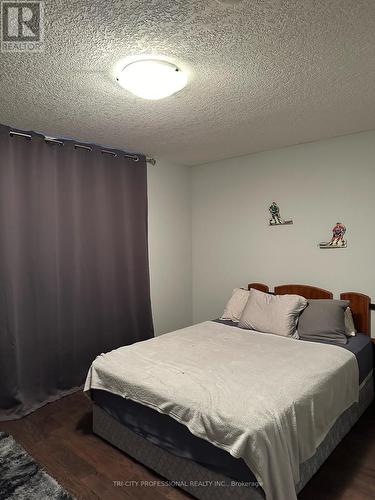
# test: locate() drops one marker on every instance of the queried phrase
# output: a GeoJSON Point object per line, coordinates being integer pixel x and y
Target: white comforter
{"type": "Point", "coordinates": [267, 399]}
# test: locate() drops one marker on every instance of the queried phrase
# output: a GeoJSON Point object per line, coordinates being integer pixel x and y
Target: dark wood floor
{"type": "Point", "coordinates": [59, 437]}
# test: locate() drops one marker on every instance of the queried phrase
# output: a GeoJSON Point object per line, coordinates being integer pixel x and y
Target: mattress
{"type": "Point", "coordinates": [195, 479]}
{"type": "Point", "coordinates": [174, 437]}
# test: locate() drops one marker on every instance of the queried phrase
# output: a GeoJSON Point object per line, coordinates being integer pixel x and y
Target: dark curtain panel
{"type": "Point", "coordinates": [74, 277]}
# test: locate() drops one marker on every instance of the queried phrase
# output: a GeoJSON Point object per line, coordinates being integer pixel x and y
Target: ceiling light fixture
{"type": "Point", "coordinates": [152, 78]}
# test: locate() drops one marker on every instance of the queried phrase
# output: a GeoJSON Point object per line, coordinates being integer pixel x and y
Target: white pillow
{"type": "Point", "coordinates": [235, 305]}
{"type": "Point", "coordinates": [350, 330]}
{"type": "Point", "coordinates": [276, 314]}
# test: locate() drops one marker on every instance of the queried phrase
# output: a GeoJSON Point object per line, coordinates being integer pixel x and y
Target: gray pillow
{"type": "Point", "coordinates": [323, 320]}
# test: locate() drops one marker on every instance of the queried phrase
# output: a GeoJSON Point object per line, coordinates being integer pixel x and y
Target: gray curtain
{"type": "Point", "coordinates": [74, 277]}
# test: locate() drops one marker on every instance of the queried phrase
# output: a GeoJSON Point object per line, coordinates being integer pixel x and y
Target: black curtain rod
{"type": "Point", "coordinates": [53, 140]}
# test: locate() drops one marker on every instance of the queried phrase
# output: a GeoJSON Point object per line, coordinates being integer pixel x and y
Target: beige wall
{"type": "Point", "coordinates": [316, 185]}
{"type": "Point", "coordinates": [169, 195]}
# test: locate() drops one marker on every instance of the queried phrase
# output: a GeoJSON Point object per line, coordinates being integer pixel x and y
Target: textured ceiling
{"type": "Point", "coordinates": [264, 74]}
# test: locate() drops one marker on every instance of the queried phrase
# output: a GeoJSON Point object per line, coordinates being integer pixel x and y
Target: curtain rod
{"type": "Point", "coordinates": [53, 140]}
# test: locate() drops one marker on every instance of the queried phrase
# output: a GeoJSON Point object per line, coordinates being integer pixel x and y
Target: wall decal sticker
{"type": "Point", "coordinates": [276, 219]}
{"type": "Point", "coordinates": [337, 240]}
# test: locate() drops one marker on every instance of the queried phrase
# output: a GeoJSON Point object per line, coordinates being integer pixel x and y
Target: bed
{"type": "Point", "coordinates": [190, 458]}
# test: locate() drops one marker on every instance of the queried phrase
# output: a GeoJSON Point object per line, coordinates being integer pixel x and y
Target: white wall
{"type": "Point", "coordinates": [169, 199]}
{"type": "Point", "coordinates": [316, 185]}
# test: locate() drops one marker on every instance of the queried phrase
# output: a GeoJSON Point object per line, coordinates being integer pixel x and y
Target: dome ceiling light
{"type": "Point", "coordinates": [152, 78]}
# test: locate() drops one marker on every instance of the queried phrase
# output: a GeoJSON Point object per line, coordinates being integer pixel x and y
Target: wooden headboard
{"type": "Point", "coordinates": [358, 302]}
{"type": "Point", "coordinates": [307, 291]}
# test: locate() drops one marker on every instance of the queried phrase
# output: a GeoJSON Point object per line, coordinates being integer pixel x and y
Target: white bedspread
{"type": "Point", "coordinates": [266, 399]}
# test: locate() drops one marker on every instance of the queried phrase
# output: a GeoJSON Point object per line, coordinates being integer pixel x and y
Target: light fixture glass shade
{"type": "Point", "coordinates": [152, 79]}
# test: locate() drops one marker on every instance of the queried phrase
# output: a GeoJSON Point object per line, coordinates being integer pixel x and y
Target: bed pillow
{"type": "Point", "coordinates": [236, 304]}
{"type": "Point", "coordinates": [324, 320]}
{"type": "Point", "coordinates": [276, 314]}
{"type": "Point", "coordinates": [350, 330]}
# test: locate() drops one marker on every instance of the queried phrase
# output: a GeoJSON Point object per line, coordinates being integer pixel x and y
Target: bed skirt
{"type": "Point", "coordinates": [205, 484]}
